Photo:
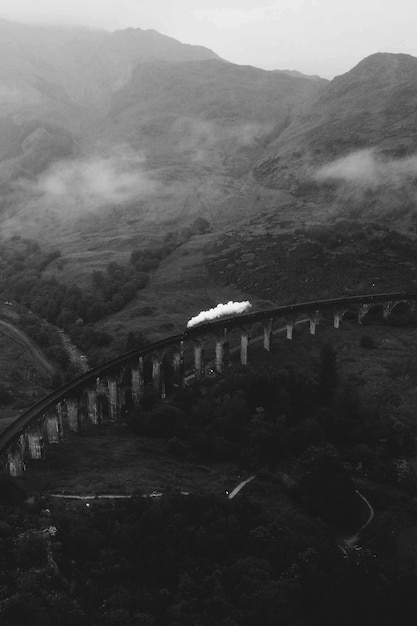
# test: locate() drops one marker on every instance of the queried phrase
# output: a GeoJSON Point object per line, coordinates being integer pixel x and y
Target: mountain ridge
{"type": "Point", "coordinates": [132, 103]}
{"type": "Point", "coordinates": [371, 107]}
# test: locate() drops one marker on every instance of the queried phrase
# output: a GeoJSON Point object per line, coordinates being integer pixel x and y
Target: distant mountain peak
{"type": "Point", "coordinates": [394, 66]}
{"type": "Point", "coordinates": [159, 46]}
{"type": "Point", "coordinates": [297, 74]}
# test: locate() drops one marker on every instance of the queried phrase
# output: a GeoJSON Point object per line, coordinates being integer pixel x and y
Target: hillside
{"type": "Point", "coordinates": [110, 139]}
{"type": "Point", "coordinates": [56, 83]}
{"type": "Point", "coordinates": [362, 128]}
{"type": "Point", "coordinates": [112, 144]}
{"type": "Point", "coordinates": [114, 133]}
{"type": "Point", "coordinates": [143, 180]}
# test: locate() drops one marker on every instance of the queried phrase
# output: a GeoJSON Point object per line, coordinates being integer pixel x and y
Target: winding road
{"type": "Point", "coordinates": [153, 494]}
{"type": "Point", "coordinates": [240, 486]}
{"type": "Point", "coordinates": [348, 543]}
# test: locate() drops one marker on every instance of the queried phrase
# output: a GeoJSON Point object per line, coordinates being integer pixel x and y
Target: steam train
{"type": "Point", "coordinates": [305, 306]}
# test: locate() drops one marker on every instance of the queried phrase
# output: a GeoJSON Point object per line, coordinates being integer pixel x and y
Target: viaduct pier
{"type": "Point", "coordinates": [104, 392]}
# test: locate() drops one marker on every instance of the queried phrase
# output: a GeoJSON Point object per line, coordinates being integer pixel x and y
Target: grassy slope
{"type": "Point", "coordinates": [179, 289]}
{"type": "Point", "coordinates": [269, 257]}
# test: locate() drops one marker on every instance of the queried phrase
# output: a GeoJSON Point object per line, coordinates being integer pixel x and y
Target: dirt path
{"type": "Point", "coordinates": [19, 337]}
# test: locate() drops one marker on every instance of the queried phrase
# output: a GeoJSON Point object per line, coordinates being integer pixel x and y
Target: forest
{"type": "Point", "coordinates": [271, 555]}
{"type": "Point", "coordinates": [70, 307]}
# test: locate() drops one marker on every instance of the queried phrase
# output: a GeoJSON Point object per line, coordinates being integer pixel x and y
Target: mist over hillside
{"type": "Point", "coordinates": [113, 143]}
{"type": "Point", "coordinates": [135, 106]}
{"type": "Point", "coordinates": [354, 146]}
{"type": "Point", "coordinates": [92, 121]}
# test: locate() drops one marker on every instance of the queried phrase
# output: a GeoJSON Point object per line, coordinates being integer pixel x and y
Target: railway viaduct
{"type": "Point", "coordinates": [103, 393]}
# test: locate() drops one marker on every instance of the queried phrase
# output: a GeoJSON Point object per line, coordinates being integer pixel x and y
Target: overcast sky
{"type": "Point", "coordinates": [326, 37]}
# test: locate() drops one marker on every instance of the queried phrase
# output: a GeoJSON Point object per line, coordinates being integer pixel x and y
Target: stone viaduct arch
{"type": "Point", "coordinates": [103, 392]}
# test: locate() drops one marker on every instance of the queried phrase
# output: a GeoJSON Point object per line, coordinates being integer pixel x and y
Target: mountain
{"type": "Point", "coordinates": [369, 111]}
{"type": "Point", "coordinates": [55, 81]}
{"type": "Point", "coordinates": [113, 143]}
{"type": "Point", "coordinates": [81, 62]}
{"type": "Point", "coordinates": [91, 121]}
{"type": "Point", "coordinates": [211, 113]}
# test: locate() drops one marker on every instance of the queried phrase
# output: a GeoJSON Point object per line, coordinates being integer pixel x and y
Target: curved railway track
{"type": "Point", "coordinates": [249, 319]}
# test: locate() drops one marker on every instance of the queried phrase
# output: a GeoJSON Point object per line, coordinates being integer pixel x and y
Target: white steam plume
{"type": "Point", "coordinates": [230, 308]}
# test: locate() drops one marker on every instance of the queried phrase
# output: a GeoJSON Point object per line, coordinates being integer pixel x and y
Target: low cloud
{"type": "Point", "coordinates": [95, 181]}
{"type": "Point", "coordinates": [18, 96]}
{"type": "Point", "coordinates": [194, 130]}
{"type": "Point", "coordinates": [204, 140]}
{"type": "Point", "coordinates": [72, 189]}
{"type": "Point", "coordinates": [368, 169]}
{"type": "Point", "coordinates": [221, 310]}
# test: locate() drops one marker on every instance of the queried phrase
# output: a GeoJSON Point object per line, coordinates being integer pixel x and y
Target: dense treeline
{"type": "Point", "coordinates": [186, 560]}
{"type": "Point", "coordinates": [66, 306]}
{"type": "Point", "coordinates": [190, 560]}
{"type": "Point", "coordinates": [377, 238]}
{"type": "Point", "coordinates": [181, 560]}
{"type": "Point", "coordinates": [148, 259]}
{"type": "Point", "coordinates": [260, 418]}
{"type": "Point", "coordinates": [22, 263]}
{"type": "Point", "coordinates": [21, 266]}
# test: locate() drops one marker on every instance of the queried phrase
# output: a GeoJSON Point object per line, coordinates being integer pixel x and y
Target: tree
{"type": "Point", "coordinates": [328, 375]}
{"type": "Point", "coordinates": [134, 340]}
{"type": "Point", "coordinates": [200, 225]}
{"type": "Point", "coordinates": [43, 338]}
{"type": "Point", "coordinates": [98, 279]}
{"type": "Point", "coordinates": [117, 302]}
{"type": "Point", "coordinates": [141, 280]}
{"type": "Point", "coordinates": [96, 311]}
{"type": "Point", "coordinates": [327, 489]}
{"type": "Point", "coordinates": [11, 491]}
{"type": "Point", "coordinates": [135, 256]}
{"type": "Point", "coordinates": [32, 551]}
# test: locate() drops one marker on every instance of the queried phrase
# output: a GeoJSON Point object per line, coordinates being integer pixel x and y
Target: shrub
{"type": "Point", "coordinates": [11, 492]}
{"type": "Point", "coordinates": [200, 225]}
{"type": "Point", "coordinates": [135, 340]}
{"type": "Point", "coordinates": [145, 310]}
{"type": "Point", "coordinates": [366, 341]}
{"type": "Point", "coordinates": [135, 256]}
{"type": "Point", "coordinates": [141, 280]}
{"type": "Point", "coordinates": [32, 551]}
{"type": "Point", "coordinates": [176, 447]}
{"type": "Point", "coordinates": [6, 397]}
{"type": "Point", "coordinates": [146, 265]}
{"type": "Point", "coordinates": [202, 446]}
